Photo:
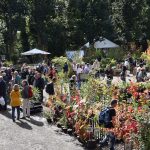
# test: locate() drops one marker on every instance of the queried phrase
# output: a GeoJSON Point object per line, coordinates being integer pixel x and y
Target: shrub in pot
{"type": "Point", "coordinates": [48, 115]}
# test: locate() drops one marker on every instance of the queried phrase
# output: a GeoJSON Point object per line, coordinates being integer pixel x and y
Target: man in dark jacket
{"type": "Point", "coordinates": [39, 84]}
{"type": "Point", "coordinates": [110, 136]}
{"type": "Point", "coordinates": [3, 91]}
{"type": "Point", "coordinates": [50, 87]}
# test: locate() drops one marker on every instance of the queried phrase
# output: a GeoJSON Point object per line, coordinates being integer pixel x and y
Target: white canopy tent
{"type": "Point", "coordinates": [105, 43]}
{"type": "Point", "coordinates": [87, 44]}
{"type": "Point", "coordinates": [35, 51]}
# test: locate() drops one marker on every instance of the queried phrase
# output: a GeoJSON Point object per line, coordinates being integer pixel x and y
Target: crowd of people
{"type": "Point", "coordinates": [16, 85]}
{"type": "Point", "coordinates": [37, 76]}
{"type": "Point", "coordinates": [129, 66]}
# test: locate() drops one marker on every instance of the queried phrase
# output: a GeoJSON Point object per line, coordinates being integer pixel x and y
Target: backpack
{"type": "Point", "coordinates": [30, 92]}
{"type": "Point", "coordinates": [140, 74]}
{"type": "Point", "coordinates": [104, 116]}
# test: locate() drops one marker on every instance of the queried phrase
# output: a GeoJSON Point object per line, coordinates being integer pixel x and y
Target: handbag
{"type": "Point", "coordinates": [2, 101]}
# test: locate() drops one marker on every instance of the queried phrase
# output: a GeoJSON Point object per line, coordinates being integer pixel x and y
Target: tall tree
{"type": "Point", "coordinates": [11, 12]}
{"type": "Point", "coordinates": [128, 18]}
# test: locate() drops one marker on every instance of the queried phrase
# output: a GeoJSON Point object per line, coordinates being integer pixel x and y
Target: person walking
{"type": "Point", "coordinates": [3, 91]}
{"type": "Point", "coordinates": [26, 101]}
{"type": "Point", "coordinates": [15, 101]}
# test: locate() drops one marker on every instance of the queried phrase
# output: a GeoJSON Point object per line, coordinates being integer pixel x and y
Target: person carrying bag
{"type": "Point", "coordinates": [26, 95]}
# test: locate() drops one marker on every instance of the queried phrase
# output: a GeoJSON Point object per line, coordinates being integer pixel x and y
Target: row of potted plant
{"type": "Point", "coordinates": [79, 115]}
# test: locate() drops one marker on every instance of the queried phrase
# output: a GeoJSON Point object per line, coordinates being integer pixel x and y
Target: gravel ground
{"type": "Point", "coordinates": [33, 134]}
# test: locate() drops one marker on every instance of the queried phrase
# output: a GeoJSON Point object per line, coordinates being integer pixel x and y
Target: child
{"type": "Point", "coordinates": [15, 101]}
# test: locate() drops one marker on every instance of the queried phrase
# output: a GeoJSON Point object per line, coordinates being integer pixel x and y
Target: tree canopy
{"type": "Point", "coordinates": [58, 25]}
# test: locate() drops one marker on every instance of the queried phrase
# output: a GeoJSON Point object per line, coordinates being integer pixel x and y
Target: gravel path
{"type": "Point", "coordinates": [33, 134]}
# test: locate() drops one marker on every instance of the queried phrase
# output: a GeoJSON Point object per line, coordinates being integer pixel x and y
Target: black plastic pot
{"type": "Point", "coordinates": [91, 143]}
{"type": "Point", "coordinates": [75, 134]}
{"type": "Point", "coordinates": [97, 140]}
{"type": "Point", "coordinates": [65, 130]}
{"type": "Point", "coordinates": [55, 119]}
{"type": "Point", "coordinates": [49, 120]}
{"type": "Point", "coordinates": [69, 131]}
{"type": "Point", "coordinates": [59, 125]}
{"type": "Point", "coordinates": [80, 140]}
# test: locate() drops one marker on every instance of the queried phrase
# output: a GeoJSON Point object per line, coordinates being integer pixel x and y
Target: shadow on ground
{"type": "Point", "coordinates": [7, 113]}
{"type": "Point", "coordinates": [35, 122]}
{"type": "Point", "coordinates": [24, 125]}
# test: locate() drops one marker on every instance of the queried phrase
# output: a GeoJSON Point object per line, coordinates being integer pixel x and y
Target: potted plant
{"type": "Point", "coordinates": [63, 122]}
{"type": "Point", "coordinates": [48, 115]}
